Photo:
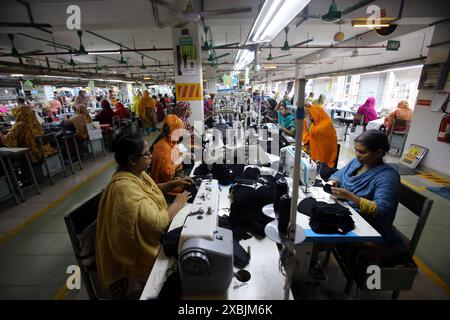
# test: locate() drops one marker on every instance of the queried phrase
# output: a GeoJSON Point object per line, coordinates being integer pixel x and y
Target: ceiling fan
{"type": "Point", "coordinates": [270, 57]}
{"type": "Point", "coordinates": [122, 59]}
{"type": "Point", "coordinates": [191, 14]}
{"type": "Point", "coordinates": [286, 45]}
{"type": "Point", "coordinates": [355, 53]}
{"type": "Point", "coordinates": [15, 53]}
{"type": "Point", "coordinates": [333, 15]}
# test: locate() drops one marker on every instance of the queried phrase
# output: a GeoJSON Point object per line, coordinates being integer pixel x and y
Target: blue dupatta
{"type": "Point", "coordinates": [380, 184]}
{"type": "Point", "coordinates": [287, 121]}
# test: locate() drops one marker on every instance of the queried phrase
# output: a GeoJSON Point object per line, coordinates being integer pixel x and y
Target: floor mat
{"type": "Point", "coordinates": [442, 191]}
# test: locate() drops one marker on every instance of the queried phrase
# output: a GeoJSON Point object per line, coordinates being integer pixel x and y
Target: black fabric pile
{"type": "Point", "coordinates": [224, 173]}
{"type": "Point", "coordinates": [327, 218]}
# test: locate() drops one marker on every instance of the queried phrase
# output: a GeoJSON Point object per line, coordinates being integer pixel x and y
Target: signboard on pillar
{"type": "Point", "coordinates": [188, 91]}
{"type": "Point", "coordinates": [186, 43]}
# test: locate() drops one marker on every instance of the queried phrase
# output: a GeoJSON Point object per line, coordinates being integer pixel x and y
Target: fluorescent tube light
{"type": "Point", "coordinates": [97, 52]}
{"type": "Point", "coordinates": [16, 75]}
{"type": "Point", "coordinates": [381, 25]}
{"type": "Point", "coordinates": [273, 17]}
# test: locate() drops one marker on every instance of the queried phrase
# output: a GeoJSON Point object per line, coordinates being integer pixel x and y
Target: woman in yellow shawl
{"type": "Point", "coordinates": [79, 121]}
{"type": "Point", "coordinates": [136, 101]}
{"type": "Point", "coordinates": [147, 111]}
{"type": "Point", "coordinates": [132, 216]}
{"type": "Point", "coordinates": [24, 132]}
{"type": "Point", "coordinates": [320, 135]}
{"type": "Point", "coordinates": [167, 159]}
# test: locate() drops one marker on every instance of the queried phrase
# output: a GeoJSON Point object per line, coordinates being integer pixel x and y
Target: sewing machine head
{"type": "Point", "coordinates": [308, 168]}
{"type": "Point", "coordinates": [205, 250]}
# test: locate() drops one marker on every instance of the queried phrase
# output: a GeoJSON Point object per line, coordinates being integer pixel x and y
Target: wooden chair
{"type": "Point", "coordinates": [398, 270]}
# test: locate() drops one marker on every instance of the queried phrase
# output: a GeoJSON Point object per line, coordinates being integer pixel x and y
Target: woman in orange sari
{"type": "Point", "coordinates": [166, 158]}
{"type": "Point", "coordinates": [403, 112]}
{"type": "Point", "coordinates": [320, 135]}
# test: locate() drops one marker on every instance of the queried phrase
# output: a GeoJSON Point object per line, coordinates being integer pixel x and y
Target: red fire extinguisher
{"type": "Point", "coordinates": [444, 129]}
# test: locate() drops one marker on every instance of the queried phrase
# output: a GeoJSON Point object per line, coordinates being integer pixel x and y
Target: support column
{"type": "Point", "coordinates": [187, 52]}
{"type": "Point", "coordinates": [211, 81]}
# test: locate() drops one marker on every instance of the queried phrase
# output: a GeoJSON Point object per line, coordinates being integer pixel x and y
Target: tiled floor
{"type": "Point", "coordinates": [35, 252]}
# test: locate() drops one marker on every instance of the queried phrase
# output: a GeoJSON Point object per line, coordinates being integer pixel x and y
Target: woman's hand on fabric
{"type": "Point", "coordinates": [185, 181]}
{"type": "Point", "coordinates": [334, 183]}
{"type": "Point", "coordinates": [342, 193]}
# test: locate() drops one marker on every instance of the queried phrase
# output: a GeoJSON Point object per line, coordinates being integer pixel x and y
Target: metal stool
{"type": "Point", "coordinates": [8, 153]}
{"type": "Point", "coordinates": [65, 138]}
{"type": "Point", "coordinates": [8, 192]}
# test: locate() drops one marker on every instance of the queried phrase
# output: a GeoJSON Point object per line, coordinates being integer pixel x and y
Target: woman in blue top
{"type": "Point", "coordinates": [368, 184]}
{"type": "Point", "coordinates": [286, 119]}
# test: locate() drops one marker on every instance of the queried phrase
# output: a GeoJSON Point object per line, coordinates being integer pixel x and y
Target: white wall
{"type": "Point", "coordinates": [368, 87]}
{"type": "Point", "coordinates": [425, 123]}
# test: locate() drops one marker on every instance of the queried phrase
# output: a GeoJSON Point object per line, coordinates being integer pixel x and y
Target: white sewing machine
{"type": "Point", "coordinates": [308, 168]}
{"type": "Point", "coordinates": [205, 252]}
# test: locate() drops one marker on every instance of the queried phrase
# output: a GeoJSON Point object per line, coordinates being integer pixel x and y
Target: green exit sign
{"type": "Point", "coordinates": [393, 45]}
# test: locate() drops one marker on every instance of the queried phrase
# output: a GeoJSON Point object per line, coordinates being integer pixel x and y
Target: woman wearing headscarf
{"type": "Point", "coordinates": [105, 116]}
{"type": "Point", "coordinates": [368, 110]}
{"type": "Point", "coordinates": [79, 121]}
{"type": "Point", "coordinates": [403, 112]}
{"type": "Point", "coordinates": [147, 111]}
{"type": "Point", "coordinates": [320, 135]}
{"type": "Point", "coordinates": [24, 132]}
{"type": "Point", "coordinates": [183, 111]}
{"type": "Point", "coordinates": [121, 112]}
{"type": "Point", "coordinates": [135, 104]}
{"type": "Point", "coordinates": [132, 216]}
{"type": "Point", "coordinates": [286, 119]}
{"type": "Point", "coordinates": [82, 98]}
{"type": "Point", "coordinates": [167, 160]}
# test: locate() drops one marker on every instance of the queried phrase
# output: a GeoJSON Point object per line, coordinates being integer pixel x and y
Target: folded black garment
{"type": "Point", "coordinates": [222, 173]}
{"type": "Point", "coordinates": [327, 218]}
{"type": "Point", "coordinates": [201, 170]}
{"type": "Point", "coordinates": [251, 173]}
{"type": "Point", "coordinates": [239, 232]}
{"type": "Point", "coordinates": [170, 240]}
{"type": "Point", "coordinates": [171, 289]}
{"type": "Point", "coordinates": [241, 258]}
{"type": "Point", "coordinates": [246, 208]}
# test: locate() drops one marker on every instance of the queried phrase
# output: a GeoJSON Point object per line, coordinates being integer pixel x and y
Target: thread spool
{"type": "Point", "coordinates": [284, 215]}
{"type": "Point", "coordinates": [281, 188]}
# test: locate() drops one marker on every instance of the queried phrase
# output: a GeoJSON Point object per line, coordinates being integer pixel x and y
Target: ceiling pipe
{"type": "Point", "coordinates": [30, 16]}
{"type": "Point", "coordinates": [378, 67]}
{"type": "Point", "coordinates": [227, 48]}
{"type": "Point", "coordinates": [120, 45]}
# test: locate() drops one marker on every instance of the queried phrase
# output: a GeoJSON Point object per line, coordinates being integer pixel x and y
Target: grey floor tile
{"type": "Point", "coordinates": [10, 223]}
{"type": "Point", "coordinates": [47, 224]}
{"type": "Point", "coordinates": [29, 293]}
{"type": "Point", "coordinates": [13, 266]}
{"type": "Point", "coordinates": [61, 246]}
{"type": "Point", "coordinates": [28, 243]}
{"type": "Point", "coordinates": [41, 273]}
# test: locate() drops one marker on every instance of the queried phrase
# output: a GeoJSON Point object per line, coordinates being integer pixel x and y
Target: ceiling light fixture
{"type": "Point", "coordinates": [273, 17]}
{"type": "Point", "coordinates": [99, 52]}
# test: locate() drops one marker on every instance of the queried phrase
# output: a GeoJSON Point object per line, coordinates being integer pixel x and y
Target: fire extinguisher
{"type": "Point", "coordinates": [444, 129]}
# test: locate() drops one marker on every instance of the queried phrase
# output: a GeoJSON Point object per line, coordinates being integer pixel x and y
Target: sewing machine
{"type": "Point", "coordinates": [308, 168]}
{"type": "Point", "coordinates": [205, 250]}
